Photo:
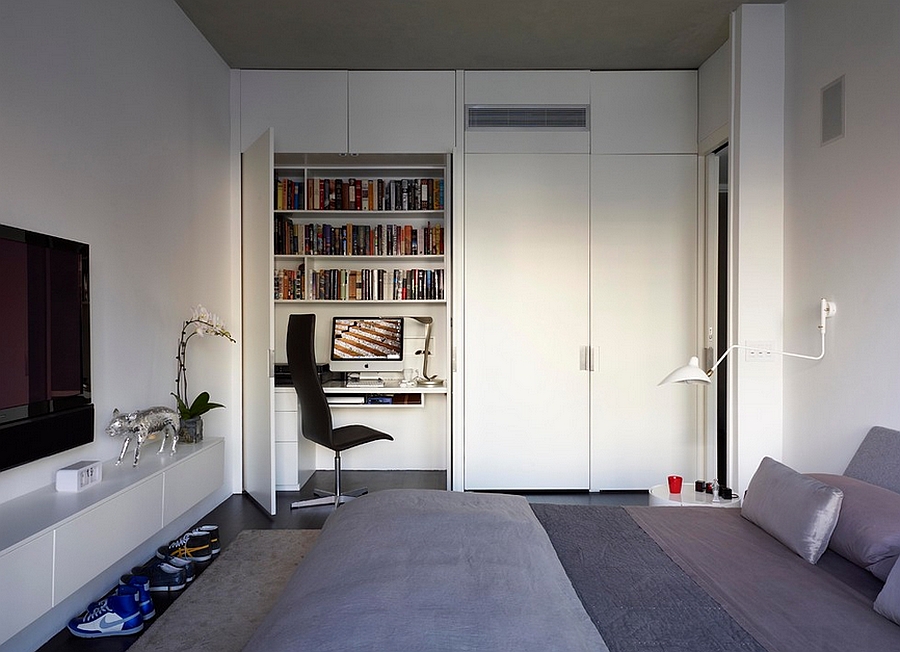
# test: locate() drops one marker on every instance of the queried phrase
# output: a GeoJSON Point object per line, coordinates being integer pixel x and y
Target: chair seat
{"type": "Point", "coordinates": [345, 437]}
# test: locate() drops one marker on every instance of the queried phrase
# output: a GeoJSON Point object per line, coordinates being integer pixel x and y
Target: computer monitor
{"type": "Point", "coordinates": [367, 344]}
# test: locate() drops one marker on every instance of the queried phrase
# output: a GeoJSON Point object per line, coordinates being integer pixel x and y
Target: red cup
{"type": "Point", "coordinates": [675, 484]}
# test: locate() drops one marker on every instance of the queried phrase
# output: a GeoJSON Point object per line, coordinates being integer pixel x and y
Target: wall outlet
{"type": "Point", "coordinates": [759, 350]}
{"type": "Point", "coordinates": [78, 476]}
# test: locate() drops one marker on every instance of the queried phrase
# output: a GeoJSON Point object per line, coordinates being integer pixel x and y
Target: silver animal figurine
{"type": "Point", "coordinates": [143, 424]}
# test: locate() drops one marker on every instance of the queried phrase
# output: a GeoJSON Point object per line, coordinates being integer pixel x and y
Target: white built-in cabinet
{"type": "Point", "coordinates": [373, 275]}
{"type": "Point", "coordinates": [339, 111]}
{"type": "Point", "coordinates": [580, 284]}
{"type": "Point", "coordinates": [54, 543]}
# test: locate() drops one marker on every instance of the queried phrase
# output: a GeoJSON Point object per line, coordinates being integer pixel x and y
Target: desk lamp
{"type": "Point", "coordinates": [426, 380]}
{"type": "Point", "coordinates": [691, 373]}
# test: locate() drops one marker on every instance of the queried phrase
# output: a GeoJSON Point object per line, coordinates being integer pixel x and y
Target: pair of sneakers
{"type": "Point", "coordinates": [199, 545]}
{"type": "Point", "coordinates": [121, 613]}
{"type": "Point", "coordinates": [166, 574]}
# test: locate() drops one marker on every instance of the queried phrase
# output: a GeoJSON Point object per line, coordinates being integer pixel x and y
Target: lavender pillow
{"type": "Point", "coordinates": [888, 601]}
{"type": "Point", "coordinates": [868, 530]}
{"type": "Point", "coordinates": [796, 509]}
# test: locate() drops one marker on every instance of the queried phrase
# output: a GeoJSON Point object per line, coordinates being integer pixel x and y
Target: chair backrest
{"type": "Point", "coordinates": [315, 413]}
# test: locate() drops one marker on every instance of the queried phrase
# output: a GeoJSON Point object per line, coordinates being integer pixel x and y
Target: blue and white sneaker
{"type": "Point", "coordinates": [141, 583]}
{"type": "Point", "coordinates": [114, 615]}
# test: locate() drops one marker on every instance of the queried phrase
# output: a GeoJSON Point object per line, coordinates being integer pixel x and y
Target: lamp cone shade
{"type": "Point", "coordinates": [690, 373]}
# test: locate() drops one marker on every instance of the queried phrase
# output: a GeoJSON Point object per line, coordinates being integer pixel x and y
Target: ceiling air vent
{"type": "Point", "coordinates": [555, 117]}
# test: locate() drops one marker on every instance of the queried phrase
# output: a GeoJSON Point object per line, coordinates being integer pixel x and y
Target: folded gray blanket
{"type": "Point", "coordinates": [412, 570]}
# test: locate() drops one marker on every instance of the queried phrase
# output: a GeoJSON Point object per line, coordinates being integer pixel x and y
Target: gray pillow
{"type": "Point", "coordinates": [888, 601]}
{"type": "Point", "coordinates": [868, 530]}
{"type": "Point", "coordinates": [796, 509]}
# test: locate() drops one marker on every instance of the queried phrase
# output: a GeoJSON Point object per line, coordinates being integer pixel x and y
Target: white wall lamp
{"type": "Point", "coordinates": [691, 373]}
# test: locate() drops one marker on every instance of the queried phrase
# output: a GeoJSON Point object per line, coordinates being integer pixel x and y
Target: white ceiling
{"type": "Point", "coordinates": [464, 34]}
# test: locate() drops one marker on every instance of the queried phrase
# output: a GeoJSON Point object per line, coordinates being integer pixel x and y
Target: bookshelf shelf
{"type": "Point", "coordinates": [362, 301]}
{"type": "Point", "coordinates": [345, 231]}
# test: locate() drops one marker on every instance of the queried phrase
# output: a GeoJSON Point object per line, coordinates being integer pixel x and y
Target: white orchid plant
{"type": "Point", "coordinates": [202, 323]}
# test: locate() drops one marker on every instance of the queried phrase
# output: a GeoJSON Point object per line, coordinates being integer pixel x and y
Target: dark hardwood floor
{"type": "Point", "coordinates": [239, 512]}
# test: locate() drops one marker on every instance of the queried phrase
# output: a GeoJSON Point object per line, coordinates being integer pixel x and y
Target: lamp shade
{"type": "Point", "coordinates": [690, 373]}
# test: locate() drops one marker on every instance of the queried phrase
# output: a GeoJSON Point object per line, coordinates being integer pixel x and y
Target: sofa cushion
{"type": "Point", "coordinates": [800, 511]}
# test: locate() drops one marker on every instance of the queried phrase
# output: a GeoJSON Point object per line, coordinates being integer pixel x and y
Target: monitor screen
{"type": "Point", "coordinates": [366, 343]}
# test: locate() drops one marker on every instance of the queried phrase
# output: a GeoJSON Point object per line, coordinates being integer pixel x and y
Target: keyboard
{"type": "Point", "coordinates": [365, 382]}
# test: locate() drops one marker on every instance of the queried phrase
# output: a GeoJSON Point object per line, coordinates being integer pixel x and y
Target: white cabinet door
{"type": "Point", "coordinates": [258, 332]}
{"type": "Point", "coordinates": [644, 112]}
{"type": "Point", "coordinates": [400, 111]}
{"type": "Point", "coordinates": [307, 109]}
{"type": "Point", "coordinates": [526, 321]}
{"type": "Point", "coordinates": [643, 318]}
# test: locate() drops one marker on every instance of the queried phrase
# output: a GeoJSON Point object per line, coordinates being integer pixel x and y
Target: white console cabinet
{"type": "Point", "coordinates": [52, 543]}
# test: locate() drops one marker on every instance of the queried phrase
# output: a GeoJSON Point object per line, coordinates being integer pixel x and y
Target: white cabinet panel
{"type": "Point", "coordinates": [645, 112]}
{"type": "Point", "coordinates": [401, 111]}
{"type": "Point", "coordinates": [643, 318]}
{"type": "Point", "coordinates": [86, 546]}
{"type": "Point", "coordinates": [526, 321]}
{"type": "Point", "coordinates": [287, 460]}
{"type": "Point", "coordinates": [307, 109]}
{"type": "Point", "coordinates": [257, 270]}
{"type": "Point", "coordinates": [287, 447]}
{"type": "Point", "coordinates": [535, 87]}
{"type": "Point", "coordinates": [527, 86]}
{"type": "Point", "coordinates": [198, 476]}
{"type": "Point", "coordinates": [27, 574]}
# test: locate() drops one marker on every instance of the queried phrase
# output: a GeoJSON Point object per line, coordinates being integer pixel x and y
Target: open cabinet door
{"type": "Point", "coordinates": [257, 251]}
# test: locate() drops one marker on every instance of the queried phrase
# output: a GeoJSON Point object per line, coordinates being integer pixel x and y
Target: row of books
{"type": "Point", "coordinates": [359, 284]}
{"type": "Point", "coordinates": [357, 239]}
{"type": "Point", "coordinates": [359, 194]}
{"type": "Point", "coordinates": [288, 194]}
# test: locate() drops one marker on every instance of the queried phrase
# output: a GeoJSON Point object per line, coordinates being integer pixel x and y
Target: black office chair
{"type": "Point", "coordinates": [315, 413]}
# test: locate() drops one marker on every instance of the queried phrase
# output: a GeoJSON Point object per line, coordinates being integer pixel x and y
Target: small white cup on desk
{"type": "Point", "coordinates": [409, 378]}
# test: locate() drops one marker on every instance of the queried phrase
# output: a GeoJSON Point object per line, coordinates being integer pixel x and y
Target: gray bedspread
{"type": "Point", "coordinates": [640, 600]}
{"type": "Point", "coordinates": [415, 571]}
{"type": "Point", "coordinates": [786, 603]}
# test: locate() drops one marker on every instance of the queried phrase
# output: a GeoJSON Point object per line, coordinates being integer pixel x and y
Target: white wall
{"type": "Point", "coordinates": [714, 100]}
{"type": "Point", "coordinates": [842, 228]}
{"type": "Point", "coordinates": [115, 131]}
{"type": "Point", "coordinates": [756, 255]}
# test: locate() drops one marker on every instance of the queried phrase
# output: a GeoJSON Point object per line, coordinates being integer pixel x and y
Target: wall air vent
{"type": "Point", "coordinates": [521, 117]}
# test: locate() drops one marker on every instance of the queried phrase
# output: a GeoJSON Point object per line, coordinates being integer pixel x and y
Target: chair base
{"type": "Point", "coordinates": [328, 498]}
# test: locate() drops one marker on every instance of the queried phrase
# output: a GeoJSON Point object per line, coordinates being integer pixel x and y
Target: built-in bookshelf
{"type": "Point", "coordinates": [373, 233]}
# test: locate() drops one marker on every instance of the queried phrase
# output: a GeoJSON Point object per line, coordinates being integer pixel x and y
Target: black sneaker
{"type": "Point", "coordinates": [213, 530]}
{"type": "Point", "coordinates": [162, 576]}
{"type": "Point", "coordinates": [191, 545]}
{"type": "Point", "coordinates": [190, 568]}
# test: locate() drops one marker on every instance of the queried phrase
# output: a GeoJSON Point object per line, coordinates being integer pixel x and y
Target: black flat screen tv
{"type": "Point", "coordinates": [45, 361]}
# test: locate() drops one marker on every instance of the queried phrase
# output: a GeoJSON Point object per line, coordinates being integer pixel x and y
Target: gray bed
{"type": "Point", "coordinates": [432, 570]}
